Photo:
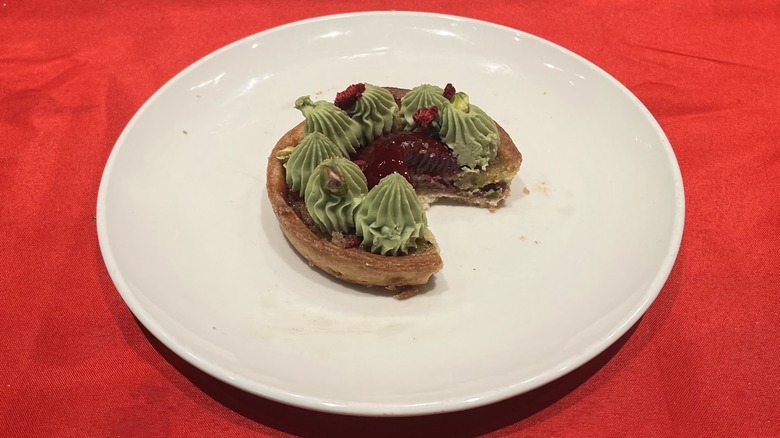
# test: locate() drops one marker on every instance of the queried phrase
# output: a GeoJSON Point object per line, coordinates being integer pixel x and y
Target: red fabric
{"type": "Point", "coordinates": [702, 362]}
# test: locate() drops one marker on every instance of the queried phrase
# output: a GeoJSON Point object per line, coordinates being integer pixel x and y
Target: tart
{"type": "Point", "coordinates": [350, 184]}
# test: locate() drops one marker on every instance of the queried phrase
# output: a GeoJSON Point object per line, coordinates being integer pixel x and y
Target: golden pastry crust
{"type": "Point", "coordinates": [356, 265]}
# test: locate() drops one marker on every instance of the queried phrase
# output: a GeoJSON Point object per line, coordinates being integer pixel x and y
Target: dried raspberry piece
{"type": "Point", "coordinates": [424, 116]}
{"type": "Point", "coordinates": [354, 242]}
{"type": "Point", "coordinates": [449, 91]}
{"type": "Point", "coordinates": [347, 98]}
{"type": "Point", "coordinates": [361, 164]}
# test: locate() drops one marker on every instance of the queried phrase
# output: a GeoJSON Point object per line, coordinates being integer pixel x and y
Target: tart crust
{"type": "Point", "coordinates": [356, 265]}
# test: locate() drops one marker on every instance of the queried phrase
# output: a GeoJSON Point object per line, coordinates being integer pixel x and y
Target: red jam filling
{"type": "Point", "coordinates": [408, 153]}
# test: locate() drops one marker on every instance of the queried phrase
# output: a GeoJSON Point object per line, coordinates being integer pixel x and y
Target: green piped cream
{"type": "Point", "coordinates": [423, 96]}
{"type": "Point", "coordinates": [324, 117]}
{"type": "Point", "coordinates": [391, 217]}
{"type": "Point", "coordinates": [334, 191]}
{"type": "Point", "coordinates": [313, 150]}
{"type": "Point", "coordinates": [469, 132]}
{"type": "Point", "coordinates": [375, 111]}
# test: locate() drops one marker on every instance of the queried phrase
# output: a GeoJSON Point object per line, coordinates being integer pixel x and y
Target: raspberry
{"type": "Point", "coordinates": [347, 98]}
{"type": "Point", "coordinates": [424, 116]}
{"type": "Point", "coordinates": [449, 91]}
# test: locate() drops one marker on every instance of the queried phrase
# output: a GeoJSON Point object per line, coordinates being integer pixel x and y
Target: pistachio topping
{"type": "Point", "coordinates": [461, 101]}
{"type": "Point", "coordinates": [325, 117]}
{"type": "Point", "coordinates": [284, 154]}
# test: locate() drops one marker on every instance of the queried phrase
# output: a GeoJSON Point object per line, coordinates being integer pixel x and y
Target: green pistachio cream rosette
{"type": "Point", "coordinates": [469, 132]}
{"type": "Point", "coordinates": [391, 218]}
{"type": "Point", "coordinates": [325, 117]}
{"type": "Point", "coordinates": [423, 96]}
{"type": "Point", "coordinates": [375, 111]}
{"type": "Point", "coordinates": [313, 150]}
{"type": "Point", "coordinates": [334, 191]}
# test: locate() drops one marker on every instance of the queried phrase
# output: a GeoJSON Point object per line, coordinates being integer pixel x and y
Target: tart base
{"type": "Point", "coordinates": [350, 264]}
{"type": "Point", "coordinates": [358, 266]}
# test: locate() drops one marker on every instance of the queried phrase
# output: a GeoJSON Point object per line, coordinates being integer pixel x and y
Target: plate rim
{"type": "Point", "coordinates": [368, 408]}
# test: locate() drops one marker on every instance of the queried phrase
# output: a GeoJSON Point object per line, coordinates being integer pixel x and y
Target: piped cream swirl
{"type": "Point", "coordinates": [423, 96]}
{"type": "Point", "coordinates": [313, 150]}
{"type": "Point", "coordinates": [391, 217]}
{"type": "Point", "coordinates": [334, 191]}
{"type": "Point", "coordinates": [325, 117]}
{"type": "Point", "coordinates": [469, 132]}
{"type": "Point", "coordinates": [375, 111]}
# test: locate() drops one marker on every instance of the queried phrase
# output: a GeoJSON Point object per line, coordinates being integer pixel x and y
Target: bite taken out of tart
{"type": "Point", "coordinates": [350, 184]}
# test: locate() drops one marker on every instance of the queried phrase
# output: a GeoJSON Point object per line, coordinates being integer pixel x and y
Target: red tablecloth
{"type": "Point", "coordinates": [702, 362]}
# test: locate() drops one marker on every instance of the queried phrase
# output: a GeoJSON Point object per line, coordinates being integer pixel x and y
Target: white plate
{"type": "Point", "coordinates": [527, 294]}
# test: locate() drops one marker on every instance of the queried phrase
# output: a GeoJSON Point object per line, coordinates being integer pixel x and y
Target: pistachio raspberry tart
{"type": "Point", "coordinates": [350, 184]}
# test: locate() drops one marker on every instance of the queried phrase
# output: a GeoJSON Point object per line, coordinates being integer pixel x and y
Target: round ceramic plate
{"type": "Point", "coordinates": [528, 292]}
